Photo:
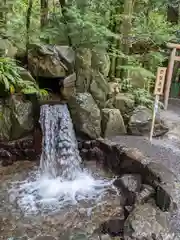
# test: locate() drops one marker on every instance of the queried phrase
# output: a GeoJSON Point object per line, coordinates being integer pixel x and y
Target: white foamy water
{"type": "Point", "coordinates": [60, 181]}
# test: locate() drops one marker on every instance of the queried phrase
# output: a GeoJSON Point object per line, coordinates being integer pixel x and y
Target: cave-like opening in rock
{"type": "Point", "coordinates": [51, 84]}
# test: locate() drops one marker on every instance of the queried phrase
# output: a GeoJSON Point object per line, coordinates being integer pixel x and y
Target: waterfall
{"type": "Point", "coordinates": [60, 155]}
{"type": "Point", "coordinates": [59, 181]}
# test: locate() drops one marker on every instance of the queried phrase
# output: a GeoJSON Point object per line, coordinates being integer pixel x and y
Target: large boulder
{"type": "Point", "coordinates": [100, 61]}
{"type": "Point", "coordinates": [68, 88]}
{"type": "Point", "coordinates": [166, 188]}
{"type": "Point", "coordinates": [22, 117]}
{"type": "Point", "coordinates": [16, 118]}
{"type": "Point", "coordinates": [25, 75]}
{"type": "Point", "coordinates": [141, 120]}
{"type": "Point", "coordinates": [85, 114]}
{"type": "Point", "coordinates": [5, 121]}
{"type": "Point", "coordinates": [50, 61]}
{"type": "Point", "coordinates": [124, 102]}
{"type": "Point", "coordinates": [99, 88]}
{"type": "Point", "coordinates": [7, 49]}
{"type": "Point", "coordinates": [114, 89]}
{"type": "Point", "coordinates": [83, 69]}
{"type": "Point", "coordinates": [147, 222]}
{"type": "Point", "coordinates": [112, 123]}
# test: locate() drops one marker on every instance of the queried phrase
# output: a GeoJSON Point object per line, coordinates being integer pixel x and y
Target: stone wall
{"type": "Point", "coordinates": [147, 188]}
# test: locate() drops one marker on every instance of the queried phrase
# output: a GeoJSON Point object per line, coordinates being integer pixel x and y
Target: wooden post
{"type": "Point", "coordinates": [158, 90]}
{"type": "Point", "coordinates": [156, 102]}
{"type": "Point", "coordinates": [169, 77]}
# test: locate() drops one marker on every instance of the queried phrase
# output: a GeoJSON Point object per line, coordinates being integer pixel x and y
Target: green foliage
{"type": "Point", "coordinates": [94, 23]}
{"type": "Point", "coordinates": [12, 81]}
{"type": "Point", "coordinates": [16, 22]}
{"type": "Point", "coordinates": [141, 95]}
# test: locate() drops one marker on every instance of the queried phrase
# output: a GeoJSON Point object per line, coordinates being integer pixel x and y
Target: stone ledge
{"type": "Point", "coordinates": [21, 149]}
{"type": "Point", "coordinates": [122, 160]}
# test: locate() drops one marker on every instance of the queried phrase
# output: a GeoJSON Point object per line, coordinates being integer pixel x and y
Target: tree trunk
{"type": "Point", "coordinates": [126, 30]}
{"type": "Point", "coordinates": [64, 13]}
{"type": "Point", "coordinates": [173, 17]}
{"type": "Point", "coordinates": [44, 13]}
{"type": "Point", "coordinates": [28, 23]}
{"type": "Point", "coordinates": [3, 17]}
{"type": "Point", "coordinates": [173, 14]}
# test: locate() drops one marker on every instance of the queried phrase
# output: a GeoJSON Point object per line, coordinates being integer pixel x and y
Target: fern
{"type": "Point", "coordinates": [11, 79]}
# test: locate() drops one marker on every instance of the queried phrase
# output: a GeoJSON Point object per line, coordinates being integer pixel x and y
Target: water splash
{"type": "Point", "coordinates": [60, 181]}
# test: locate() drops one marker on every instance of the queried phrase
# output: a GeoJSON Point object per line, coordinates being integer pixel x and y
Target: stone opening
{"type": "Point", "coordinates": [51, 84]}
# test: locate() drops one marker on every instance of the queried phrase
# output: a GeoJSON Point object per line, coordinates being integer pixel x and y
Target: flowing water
{"type": "Point", "coordinates": [59, 195]}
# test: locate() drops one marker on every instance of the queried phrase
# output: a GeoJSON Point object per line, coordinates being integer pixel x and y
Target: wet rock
{"type": "Point", "coordinates": [5, 121]}
{"type": "Point", "coordinates": [140, 123]}
{"type": "Point", "coordinates": [127, 197]}
{"type": "Point", "coordinates": [21, 149]}
{"type": "Point", "coordinates": [147, 222]}
{"type": "Point", "coordinates": [166, 196]}
{"type": "Point", "coordinates": [132, 182]}
{"type": "Point", "coordinates": [146, 193]}
{"type": "Point", "coordinates": [84, 154]}
{"type": "Point", "coordinates": [6, 158]}
{"type": "Point", "coordinates": [45, 238]}
{"type": "Point", "coordinates": [113, 227]}
{"type": "Point", "coordinates": [133, 161]}
{"type": "Point", "coordinates": [87, 145]}
{"type": "Point", "coordinates": [112, 123]}
{"type": "Point", "coordinates": [85, 114]}
{"type": "Point", "coordinates": [98, 154]}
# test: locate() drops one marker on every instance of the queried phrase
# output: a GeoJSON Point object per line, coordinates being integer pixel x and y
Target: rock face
{"type": "Point", "coordinates": [22, 149]}
{"type": "Point", "coordinates": [49, 61]}
{"type": "Point", "coordinates": [100, 61]}
{"type": "Point", "coordinates": [7, 49]}
{"type": "Point", "coordinates": [147, 222]}
{"type": "Point", "coordinates": [99, 88]}
{"type": "Point", "coordinates": [85, 114]}
{"type": "Point", "coordinates": [147, 191]}
{"type": "Point", "coordinates": [166, 196]}
{"type": "Point", "coordinates": [112, 123]}
{"type": "Point", "coordinates": [157, 181]}
{"type": "Point", "coordinates": [16, 118]}
{"type": "Point", "coordinates": [25, 75]}
{"type": "Point", "coordinates": [124, 102]}
{"type": "Point", "coordinates": [140, 123]}
{"type": "Point", "coordinates": [83, 66]}
{"type": "Point", "coordinates": [68, 88]}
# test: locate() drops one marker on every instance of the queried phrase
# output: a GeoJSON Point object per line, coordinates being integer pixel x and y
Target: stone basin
{"type": "Point", "coordinates": [142, 192]}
